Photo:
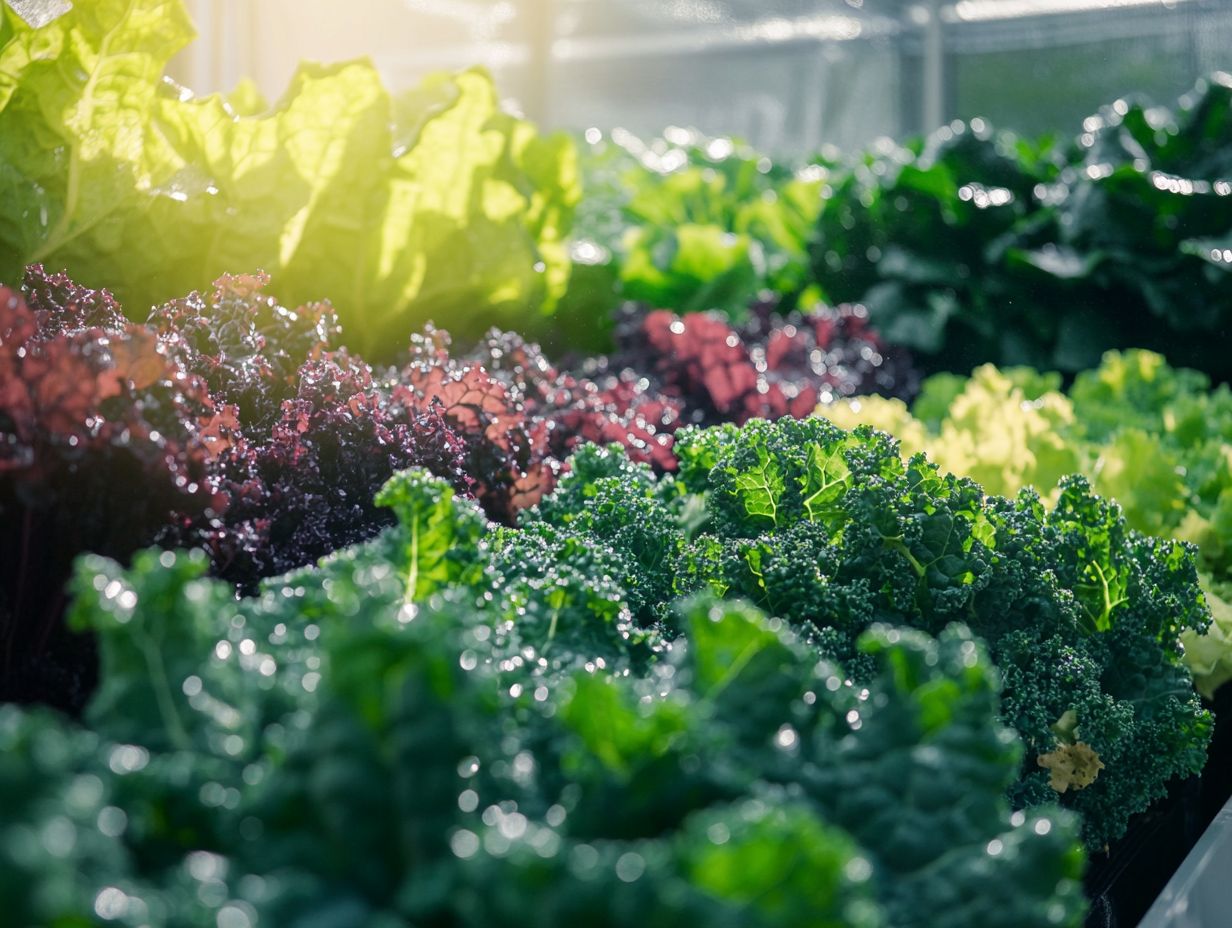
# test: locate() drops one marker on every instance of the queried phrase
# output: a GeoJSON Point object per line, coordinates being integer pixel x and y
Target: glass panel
{"type": "Point", "coordinates": [787, 75]}
{"type": "Point", "coordinates": [1045, 74]}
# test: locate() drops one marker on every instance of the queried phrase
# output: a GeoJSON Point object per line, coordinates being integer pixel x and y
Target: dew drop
{"type": "Point", "coordinates": [858, 870]}
{"type": "Point", "coordinates": [630, 866]}
{"type": "Point", "coordinates": [111, 903]}
{"type": "Point", "coordinates": [464, 844]}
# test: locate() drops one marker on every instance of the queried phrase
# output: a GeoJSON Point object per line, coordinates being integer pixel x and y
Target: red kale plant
{"type": "Point", "coordinates": [768, 367]}
{"type": "Point", "coordinates": [521, 416]}
{"type": "Point", "coordinates": [103, 437]}
{"type": "Point", "coordinates": [231, 423]}
{"type": "Point", "coordinates": [315, 433]}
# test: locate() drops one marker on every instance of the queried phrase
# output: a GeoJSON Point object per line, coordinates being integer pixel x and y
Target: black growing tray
{"type": "Point", "coordinates": [1123, 883]}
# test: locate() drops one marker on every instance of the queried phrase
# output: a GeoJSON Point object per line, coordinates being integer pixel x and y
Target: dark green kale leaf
{"type": "Point", "coordinates": [349, 747]}
{"type": "Point", "coordinates": [605, 495]}
{"type": "Point", "coordinates": [832, 531]}
{"type": "Point", "coordinates": [976, 246]}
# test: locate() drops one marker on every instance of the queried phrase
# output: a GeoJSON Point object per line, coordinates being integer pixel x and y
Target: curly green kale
{"type": "Point", "coordinates": [1155, 438]}
{"type": "Point", "coordinates": [606, 496]}
{"type": "Point", "coordinates": [833, 531]}
{"type": "Point", "coordinates": [440, 728]}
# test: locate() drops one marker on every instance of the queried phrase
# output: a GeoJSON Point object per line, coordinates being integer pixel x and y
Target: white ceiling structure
{"type": "Point", "coordinates": [789, 74]}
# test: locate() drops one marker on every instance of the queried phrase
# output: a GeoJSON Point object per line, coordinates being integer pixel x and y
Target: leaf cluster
{"type": "Point", "coordinates": [977, 246]}
{"type": "Point", "coordinates": [833, 532]}
{"type": "Point", "coordinates": [1155, 438]}
{"type": "Point", "coordinates": [400, 737]}
{"type": "Point", "coordinates": [773, 364]}
{"type": "Point", "coordinates": [688, 223]}
{"type": "Point", "coordinates": [433, 204]}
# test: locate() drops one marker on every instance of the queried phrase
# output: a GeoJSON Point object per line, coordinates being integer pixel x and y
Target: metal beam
{"type": "Point", "coordinates": [933, 113]}
{"type": "Point", "coordinates": [541, 32]}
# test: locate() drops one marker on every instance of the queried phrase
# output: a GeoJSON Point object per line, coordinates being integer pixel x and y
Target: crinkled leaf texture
{"type": "Point", "coordinates": [1155, 438]}
{"type": "Point", "coordinates": [833, 531]}
{"type": "Point", "coordinates": [323, 752]}
{"type": "Point", "coordinates": [104, 440]}
{"type": "Point", "coordinates": [771, 365]}
{"type": "Point", "coordinates": [435, 204]}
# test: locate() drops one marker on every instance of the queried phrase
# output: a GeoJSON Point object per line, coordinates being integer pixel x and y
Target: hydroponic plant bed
{"type": "Point", "coordinates": [313, 613]}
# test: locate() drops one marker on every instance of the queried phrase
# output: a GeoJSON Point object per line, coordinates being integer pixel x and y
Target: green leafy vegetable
{"type": "Point", "coordinates": [977, 246]}
{"type": "Point", "coordinates": [432, 205]}
{"type": "Point", "coordinates": [690, 223]}
{"type": "Point", "coordinates": [1155, 438]}
{"type": "Point", "coordinates": [322, 753]}
{"type": "Point", "coordinates": [833, 532]}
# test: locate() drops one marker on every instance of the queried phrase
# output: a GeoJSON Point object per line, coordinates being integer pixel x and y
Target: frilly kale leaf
{"type": "Point", "coordinates": [437, 534]}
{"type": "Point", "coordinates": [323, 752]}
{"type": "Point", "coordinates": [568, 591]}
{"type": "Point", "coordinates": [605, 496]}
{"type": "Point", "coordinates": [938, 695]}
{"type": "Point", "coordinates": [1154, 438]}
{"type": "Point", "coordinates": [833, 531]}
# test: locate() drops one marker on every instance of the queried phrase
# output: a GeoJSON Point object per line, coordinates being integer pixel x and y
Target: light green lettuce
{"type": "Point", "coordinates": [432, 205]}
{"type": "Point", "coordinates": [691, 223]}
{"type": "Point", "coordinates": [993, 431]}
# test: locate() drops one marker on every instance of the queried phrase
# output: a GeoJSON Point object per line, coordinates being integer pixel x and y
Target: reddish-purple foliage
{"type": "Point", "coordinates": [304, 486]}
{"type": "Point", "coordinates": [314, 434]}
{"type": "Point", "coordinates": [231, 423]}
{"type": "Point", "coordinates": [61, 306]}
{"type": "Point", "coordinates": [507, 392]}
{"type": "Point", "coordinates": [313, 443]}
{"type": "Point", "coordinates": [768, 367]}
{"type": "Point", "coordinates": [226, 422]}
{"type": "Point", "coordinates": [245, 346]}
{"type": "Point", "coordinates": [102, 438]}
